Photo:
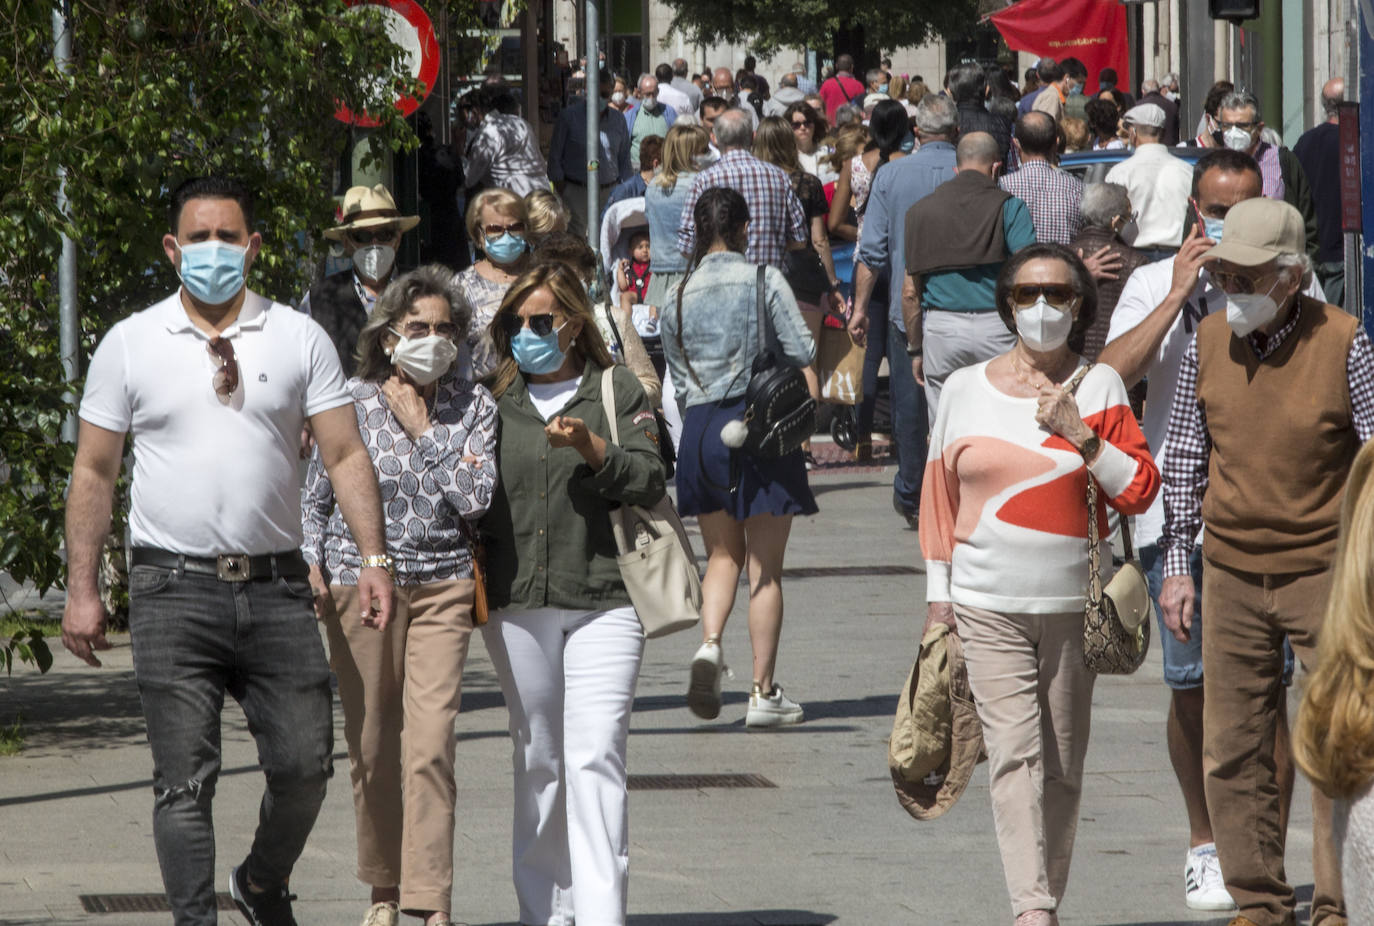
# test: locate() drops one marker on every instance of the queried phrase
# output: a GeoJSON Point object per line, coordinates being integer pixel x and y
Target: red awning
{"type": "Point", "coordinates": [1093, 31]}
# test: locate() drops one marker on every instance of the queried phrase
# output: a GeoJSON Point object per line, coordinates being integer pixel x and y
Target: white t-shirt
{"type": "Point", "coordinates": [551, 398]}
{"type": "Point", "coordinates": [1159, 185]}
{"type": "Point", "coordinates": [1142, 294]}
{"type": "Point", "coordinates": [213, 477]}
{"type": "Point", "coordinates": [671, 96]}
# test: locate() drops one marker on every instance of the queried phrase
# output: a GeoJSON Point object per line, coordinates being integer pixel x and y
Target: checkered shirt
{"type": "Point", "coordinates": [775, 212]}
{"type": "Point", "coordinates": [1053, 196]}
{"type": "Point", "coordinates": [1190, 444]}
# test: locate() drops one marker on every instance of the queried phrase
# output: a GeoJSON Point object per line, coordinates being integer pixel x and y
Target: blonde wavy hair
{"type": "Point", "coordinates": [681, 147]}
{"type": "Point", "coordinates": [1333, 741]}
{"type": "Point", "coordinates": [545, 214]}
{"type": "Point", "coordinates": [567, 289]}
{"type": "Point", "coordinates": [847, 141]}
{"type": "Point", "coordinates": [775, 143]}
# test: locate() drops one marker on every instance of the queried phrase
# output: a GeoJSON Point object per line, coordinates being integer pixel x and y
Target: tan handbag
{"type": "Point", "coordinates": [1116, 620]}
{"type": "Point", "coordinates": [839, 366]}
{"type": "Point", "coordinates": [655, 557]}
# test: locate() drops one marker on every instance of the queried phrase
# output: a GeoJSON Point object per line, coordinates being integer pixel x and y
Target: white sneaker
{"type": "Point", "coordinates": [771, 710]}
{"type": "Point", "coordinates": [1203, 886]}
{"type": "Point", "coordinates": [703, 691]}
{"type": "Point", "coordinates": [382, 914]}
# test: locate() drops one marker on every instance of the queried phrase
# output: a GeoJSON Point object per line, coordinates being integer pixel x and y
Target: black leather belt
{"type": "Point", "coordinates": [230, 567]}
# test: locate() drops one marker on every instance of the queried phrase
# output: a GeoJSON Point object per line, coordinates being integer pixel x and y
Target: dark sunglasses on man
{"type": "Point", "coordinates": [367, 236]}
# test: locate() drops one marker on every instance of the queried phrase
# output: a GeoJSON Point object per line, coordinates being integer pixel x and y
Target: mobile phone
{"type": "Point", "coordinates": [1197, 216]}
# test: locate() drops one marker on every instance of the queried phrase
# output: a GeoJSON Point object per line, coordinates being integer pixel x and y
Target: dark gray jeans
{"type": "Point", "coordinates": [194, 638]}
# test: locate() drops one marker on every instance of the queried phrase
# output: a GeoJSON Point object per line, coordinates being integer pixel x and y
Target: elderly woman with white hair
{"type": "Point", "coordinates": [432, 438]}
{"type": "Point", "coordinates": [1108, 222]}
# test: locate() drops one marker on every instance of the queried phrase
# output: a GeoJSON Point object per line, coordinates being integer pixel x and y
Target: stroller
{"type": "Point", "coordinates": [616, 224]}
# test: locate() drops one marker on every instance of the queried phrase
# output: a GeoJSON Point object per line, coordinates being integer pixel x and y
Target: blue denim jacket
{"type": "Point", "coordinates": [663, 209]}
{"type": "Point", "coordinates": [719, 332]}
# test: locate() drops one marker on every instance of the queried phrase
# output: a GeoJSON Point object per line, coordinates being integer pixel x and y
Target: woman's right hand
{"type": "Point", "coordinates": [940, 612]}
{"type": "Point", "coordinates": [319, 586]}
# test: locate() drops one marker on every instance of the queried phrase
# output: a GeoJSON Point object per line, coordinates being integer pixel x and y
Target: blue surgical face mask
{"type": "Point", "coordinates": [1212, 227]}
{"type": "Point", "coordinates": [908, 143]}
{"type": "Point", "coordinates": [506, 249]}
{"type": "Point", "coordinates": [882, 88]}
{"type": "Point", "coordinates": [1076, 90]}
{"type": "Point", "coordinates": [212, 271]}
{"type": "Point", "coordinates": [537, 355]}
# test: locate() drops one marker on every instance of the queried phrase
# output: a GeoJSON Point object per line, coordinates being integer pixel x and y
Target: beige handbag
{"type": "Point", "coordinates": [839, 365]}
{"type": "Point", "coordinates": [1116, 620]}
{"type": "Point", "coordinates": [655, 554]}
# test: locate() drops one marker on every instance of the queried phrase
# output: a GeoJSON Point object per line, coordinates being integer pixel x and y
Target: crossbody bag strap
{"type": "Point", "coordinates": [608, 403]}
{"type": "Point", "coordinates": [762, 312]}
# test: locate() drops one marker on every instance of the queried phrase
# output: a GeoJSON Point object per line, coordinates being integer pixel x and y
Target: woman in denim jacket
{"type": "Point", "coordinates": [563, 637]}
{"type": "Point", "coordinates": [744, 504]}
{"type": "Point", "coordinates": [683, 148]}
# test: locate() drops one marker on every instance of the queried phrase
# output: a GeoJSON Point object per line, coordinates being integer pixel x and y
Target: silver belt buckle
{"type": "Point", "coordinates": [232, 567]}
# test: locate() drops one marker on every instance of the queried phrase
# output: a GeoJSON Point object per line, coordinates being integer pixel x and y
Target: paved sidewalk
{"type": "Point", "coordinates": [828, 844]}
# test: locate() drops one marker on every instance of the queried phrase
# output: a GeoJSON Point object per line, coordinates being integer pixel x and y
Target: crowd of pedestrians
{"type": "Point", "coordinates": [1163, 337]}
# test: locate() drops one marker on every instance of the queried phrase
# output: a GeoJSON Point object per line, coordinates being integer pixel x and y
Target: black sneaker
{"type": "Point", "coordinates": [271, 907]}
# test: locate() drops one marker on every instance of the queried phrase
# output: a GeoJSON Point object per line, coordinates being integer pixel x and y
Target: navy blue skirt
{"type": "Point", "coordinates": [775, 487]}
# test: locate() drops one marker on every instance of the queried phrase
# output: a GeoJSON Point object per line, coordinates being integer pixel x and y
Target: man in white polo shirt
{"type": "Point", "coordinates": [215, 382]}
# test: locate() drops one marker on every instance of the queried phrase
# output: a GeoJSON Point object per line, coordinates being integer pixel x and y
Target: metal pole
{"type": "Point", "coordinates": [593, 129]}
{"type": "Point", "coordinates": [69, 325]}
{"type": "Point", "coordinates": [1354, 304]}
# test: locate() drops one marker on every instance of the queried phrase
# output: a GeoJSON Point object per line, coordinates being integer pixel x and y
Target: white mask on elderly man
{"type": "Point", "coordinates": [1044, 327]}
{"type": "Point", "coordinates": [1247, 312]}
{"type": "Point", "coordinates": [373, 261]}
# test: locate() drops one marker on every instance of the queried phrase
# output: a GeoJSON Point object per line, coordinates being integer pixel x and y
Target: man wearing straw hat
{"type": "Point", "coordinates": [370, 230]}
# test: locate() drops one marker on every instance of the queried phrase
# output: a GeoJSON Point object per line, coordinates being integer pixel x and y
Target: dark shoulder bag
{"type": "Point", "coordinates": [778, 409]}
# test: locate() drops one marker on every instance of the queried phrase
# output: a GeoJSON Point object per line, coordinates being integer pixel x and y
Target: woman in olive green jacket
{"type": "Point", "coordinates": [563, 637]}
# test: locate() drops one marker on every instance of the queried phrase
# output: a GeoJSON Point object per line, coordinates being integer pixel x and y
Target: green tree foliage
{"type": "Point", "coordinates": [158, 91]}
{"type": "Point", "coordinates": [767, 25]}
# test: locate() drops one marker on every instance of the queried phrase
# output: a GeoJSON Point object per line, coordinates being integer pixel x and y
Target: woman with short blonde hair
{"type": "Point", "coordinates": [1333, 742]}
{"type": "Point", "coordinates": [545, 214]}
{"type": "Point", "coordinates": [563, 637]}
{"type": "Point", "coordinates": [498, 226]}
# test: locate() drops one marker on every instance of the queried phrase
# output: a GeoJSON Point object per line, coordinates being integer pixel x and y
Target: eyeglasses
{"type": "Point", "coordinates": [226, 379]}
{"type": "Point", "coordinates": [422, 329]}
{"type": "Point", "coordinates": [541, 325]}
{"type": "Point", "coordinates": [1059, 295]}
{"type": "Point", "coordinates": [374, 236]}
{"type": "Point", "coordinates": [1239, 284]}
{"type": "Point", "coordinates": [1223, 126]}
{"type": "Point", "coordinates": [494, 230]}
{"type": "Point", "coordinates": [803, 124]}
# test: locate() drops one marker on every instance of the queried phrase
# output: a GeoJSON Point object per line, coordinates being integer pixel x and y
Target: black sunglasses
{"type": "Point", "coordinates": [541, 325]}
{"type": "Point", "coordinates": [375, 236]}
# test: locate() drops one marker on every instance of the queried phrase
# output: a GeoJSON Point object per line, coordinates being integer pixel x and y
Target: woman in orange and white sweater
{"type": "Point", "coordinates": [1004, 532]}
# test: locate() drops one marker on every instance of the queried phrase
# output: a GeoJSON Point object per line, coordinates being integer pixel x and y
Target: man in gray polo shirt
{"type": "Point", "coordinates": [215, 383]}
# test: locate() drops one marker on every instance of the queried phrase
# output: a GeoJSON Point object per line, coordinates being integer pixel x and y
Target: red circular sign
{"type": "Point", "coordinates": [409, 27]}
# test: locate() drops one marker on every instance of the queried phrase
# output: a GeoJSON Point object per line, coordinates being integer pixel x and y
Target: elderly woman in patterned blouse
{"type": "Point", "coordinates": [432, 438]}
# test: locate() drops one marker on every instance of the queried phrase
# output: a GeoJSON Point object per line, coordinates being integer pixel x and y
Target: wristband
{"type": "Point", "coordinates": [382, 561]}
{"type": "Point", "coordinates": [913, 351]}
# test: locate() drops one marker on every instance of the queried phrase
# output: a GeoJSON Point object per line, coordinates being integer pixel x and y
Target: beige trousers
{"type": "Point", "coordinates": [400, 690]}
{"type": "Point", "coordinates": [1034, 697]}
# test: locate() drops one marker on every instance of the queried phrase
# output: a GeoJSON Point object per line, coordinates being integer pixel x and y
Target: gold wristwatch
{"type": "Point", "coordinates": [1090, 447]}
{"type": "Point", "coordinates": [382, 560]}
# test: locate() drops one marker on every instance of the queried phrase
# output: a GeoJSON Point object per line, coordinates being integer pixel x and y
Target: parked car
{"type": "Point", "coordinates": [1092, 166]}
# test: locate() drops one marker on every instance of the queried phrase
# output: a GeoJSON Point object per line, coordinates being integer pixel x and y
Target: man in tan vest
{"type": "Point", "coordinates": [1274, 399]}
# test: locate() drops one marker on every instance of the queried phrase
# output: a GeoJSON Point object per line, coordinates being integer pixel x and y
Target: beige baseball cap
{"type": "Point", "coordinates": [1259, 230]}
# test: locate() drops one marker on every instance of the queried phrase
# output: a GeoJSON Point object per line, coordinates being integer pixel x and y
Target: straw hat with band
{"type": "Point", "coordinates": [937, 738]}
{"type": "Point", "coordinates": [369, 207]}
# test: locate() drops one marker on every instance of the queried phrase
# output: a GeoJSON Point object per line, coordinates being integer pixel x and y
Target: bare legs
{"type": "Point", "coordinates": [757, 544]}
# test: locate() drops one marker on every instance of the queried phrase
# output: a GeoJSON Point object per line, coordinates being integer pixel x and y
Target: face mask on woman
{"type": "Point", "coordinates": [535, 354]}
{"type": "Point", "coordinates": [424, 359]}
{"type": "Point", "coordinates": [506, 249]}
{"type": "Point", "coordinates": [1044, 327]}
{"type": "Point", "coordinates": [212, 271]}
{"type": "Point", "coordinates": [617, 98]}
{"type": "Point", "coordinates": [1246, 312]}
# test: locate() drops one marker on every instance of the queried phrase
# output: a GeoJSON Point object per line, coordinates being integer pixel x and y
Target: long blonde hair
{"type": "Point", "coordinates": [1333, 742]}
{"type": "Point", "coordinates": [561, 280]}
{"type": "Point", "coordinates": [775, 143]}
{"type": "Point", "coordinates": [681, 147]}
